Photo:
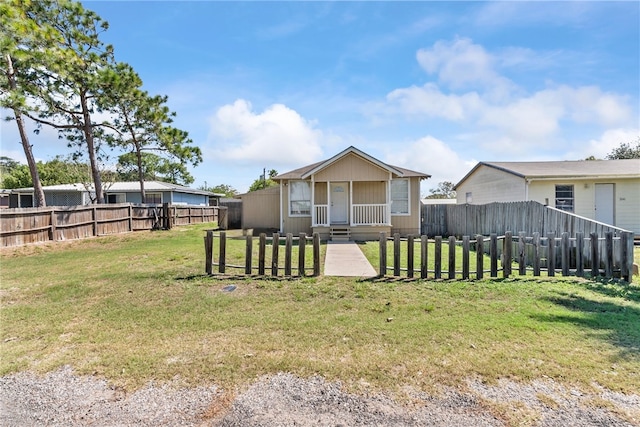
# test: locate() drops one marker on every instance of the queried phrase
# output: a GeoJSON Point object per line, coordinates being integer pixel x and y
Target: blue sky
{"type": "Point", "coordinates": [430, 86]}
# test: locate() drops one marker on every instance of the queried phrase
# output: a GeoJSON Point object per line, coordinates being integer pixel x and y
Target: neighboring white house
{"type": "Point", "coordinates": [114, 192]}
{"type": "Point", "coordinates": [607, 191]}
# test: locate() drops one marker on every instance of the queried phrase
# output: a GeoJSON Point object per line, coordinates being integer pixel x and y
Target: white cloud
{"type": "Point", "coordinates": [609, 140]}
{"type": "Point", "coordinates": [501, 114]}
{"type": "Point", "coordinates": [429, 100]}
{"type": "Point", "coordinates": [278, 137]}
{"type": "Point", "coordinates": [431, 156]}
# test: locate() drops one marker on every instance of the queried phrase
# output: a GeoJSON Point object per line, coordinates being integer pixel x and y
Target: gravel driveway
{"type": "Point", "coordinates": [63, 399]}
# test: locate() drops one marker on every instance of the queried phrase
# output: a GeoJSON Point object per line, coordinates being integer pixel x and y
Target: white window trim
{"type": "Point", "coordinates": [297, 215]}
{"type": "Point", "coordinates": [408, 213]}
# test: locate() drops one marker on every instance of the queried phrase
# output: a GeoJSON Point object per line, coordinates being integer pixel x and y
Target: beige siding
{"type": "Point", "coordinates": [626, 198]}
{"type": "Point", "coordinates": [260, 209]}
{"type": "Point", "coordinates": [488, 185]}
{"type": "Point", "coordinates": [369, 192]}
{"type": "Point", "coordinates": [409, 224]}
{"type": "Point", "coordinates": [293, 224]}
{"type": "Point", "coordinates": [352, 168]}
{"type": "Point", "coordinates": [320, 193]}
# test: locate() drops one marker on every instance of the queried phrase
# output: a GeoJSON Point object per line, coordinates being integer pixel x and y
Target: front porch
{"type": "Point", "coordinates": [351, 210]}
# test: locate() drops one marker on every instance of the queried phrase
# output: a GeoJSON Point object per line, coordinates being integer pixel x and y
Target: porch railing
{"type": "Point", "coordinates": [369, 214]}
{"type": "Point", "coordinates": [320, 215]}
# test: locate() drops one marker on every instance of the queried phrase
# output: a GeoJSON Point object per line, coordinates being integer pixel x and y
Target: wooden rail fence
{"type": "Point", "coordinates": [23, 226]}
{"type": "Point", "coordinates": [274, 243]}
{"type": "Point", "coordinates": [611, 256]}
{"type": "Point", "coordinates": [582, 256]}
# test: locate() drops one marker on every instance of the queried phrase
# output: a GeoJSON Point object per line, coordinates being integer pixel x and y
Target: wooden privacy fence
{"type": "Point", "coordinates": [273, 247]}
{"type": "Point", "coordinates": [23, 226]}
{"type": "Point", "coordinates": [609, 256]}
{"type": "Point", "coordinates": [530, 217]}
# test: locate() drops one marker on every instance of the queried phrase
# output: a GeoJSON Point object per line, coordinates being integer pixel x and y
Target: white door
{"type": "Point", "coordinates": [339, 202]}
{"type": "Point", "coordinates": [604, 203]}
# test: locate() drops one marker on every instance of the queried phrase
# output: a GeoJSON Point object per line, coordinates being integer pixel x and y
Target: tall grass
{"type": "Point", "coordinates": [138, 307]}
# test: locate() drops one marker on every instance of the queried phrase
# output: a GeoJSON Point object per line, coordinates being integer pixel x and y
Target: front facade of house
{"type": "Point", "coordinates": [350, 196]}
{"type": "Point", "coordinates": [117, 192]}
{"type": "Point", "coordinates": [606, 191]}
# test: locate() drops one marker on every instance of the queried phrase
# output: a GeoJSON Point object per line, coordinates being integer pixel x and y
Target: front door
{"type": "Point", "coordinates": [339, 202]}
{"type": "Point", "coordinates": [604, 204]}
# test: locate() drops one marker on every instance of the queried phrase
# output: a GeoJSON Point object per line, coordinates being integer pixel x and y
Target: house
{"type": "Point", "coordinates": [352, 195]}
{"type": "Point", "coordinates": [606, 191]}
{"type": "Point", "coordinates": [114, 192]}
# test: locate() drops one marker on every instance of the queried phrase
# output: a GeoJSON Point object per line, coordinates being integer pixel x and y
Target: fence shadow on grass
{"type": "Point", "coordinates": [621, 323]}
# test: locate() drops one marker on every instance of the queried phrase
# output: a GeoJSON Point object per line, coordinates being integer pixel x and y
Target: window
{"type": "Point", "coordinates": [114, 198]}
{"type": "Point", "coordinates": [564, 197]}
{"type": "Point", "coordinates": [299, 198]}
{"type": "Point", "coordinates": [153, 198]}
{"type": "Point", "coordinates": [468, 197]}
{"type": "Point", "coordinates": [400, 197]}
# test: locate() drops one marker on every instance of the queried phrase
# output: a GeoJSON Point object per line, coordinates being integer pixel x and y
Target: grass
{"type": "Point", "coordinates": [138, 307]}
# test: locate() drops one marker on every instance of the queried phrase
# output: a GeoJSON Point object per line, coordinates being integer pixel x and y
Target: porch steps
{"type": "Point", "coordinates": [340, 233]}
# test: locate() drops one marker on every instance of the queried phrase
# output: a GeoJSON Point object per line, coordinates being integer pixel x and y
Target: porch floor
{"type": "Point", "coordinates": [345, 259]}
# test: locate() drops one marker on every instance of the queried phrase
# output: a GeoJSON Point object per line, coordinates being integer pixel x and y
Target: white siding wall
{"type": "Point", "coordinates": [488, 185]}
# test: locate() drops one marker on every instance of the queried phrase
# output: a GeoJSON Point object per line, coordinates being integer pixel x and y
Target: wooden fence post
{"type": "Point", "coordinates": [551, 254]}
{"type": "Point", "coordinates": [626, 256]}
{"type": "Point", "coordinates": [53, 225]}
{"type": "Point", "coordinates": [208, 252]}
{"type": "Point", "coordinates": [288, 254]}
{"type": "Point", "coordinates": [580, 254]}
{"type": "Point", "coordinates": [275, 246]}
{"type": "Point", "coordinates": [262, 249]}
{"type": "Point", "coordinates": [424, 251]}
{"type": "Point", "coordinates": [452, 257]}
{"type": "Point", "coordinates": [383, 254]}
{"type": "Point", "coordinates": [536, 254]}
{"type": "Point", "coordinates": [410, 256]}
{"type": "Point", "coordinates": [438, 257]}
{"type": "Point", "coordinates": [396, 254]}
{"type": "Point", "coordinates": [507, 249]}
{"type": "Point", "coordinates": [248, 252]}
{"type": "Point", "coordinates": [316, 254]}
{"type": "Point", "coordinates": [479, 256]}
{"type": "Point", "coordinates": [222, 252]}
{"type": "Point", "coordinates": [522, 254]}
{"type": "Point", "coordinates": [608, 259]}
{"type": "Point", "coordinates": [465, 257]}
{"type": "Point", "coordinates": [302, 243]}
{"type": "Point", "coordinates": [564, 249]}
{"type": "Point", "coordinates": [130, 215]}
{"type": "Point", "coordinates": [94, 217]}
{"type": "Point", "coordinates": [493, 254]}
{"type": "Point", "coordinates": [595, 260]}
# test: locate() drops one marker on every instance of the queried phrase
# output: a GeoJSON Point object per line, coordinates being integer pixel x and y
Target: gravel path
{"type": "Point", "coordinates": [64, 399]}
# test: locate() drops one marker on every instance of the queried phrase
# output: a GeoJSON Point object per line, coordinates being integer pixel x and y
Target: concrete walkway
{"type": "Point", "coordinates": [345, 259]}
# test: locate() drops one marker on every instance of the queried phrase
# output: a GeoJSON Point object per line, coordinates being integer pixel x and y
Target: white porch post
{"type": "Point", "coordinates": [389, 199]}
{"type": "Point", "coordinates": [350, 208]}
{"type": "Point", "coordinates": [281, 209]}
{"type": "Point", "coordinates": [329, 202]}
{"type": "Point", "coordinates": [314, 219]}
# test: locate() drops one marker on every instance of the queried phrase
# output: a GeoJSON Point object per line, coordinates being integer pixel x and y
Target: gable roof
{"type": "Point", "coordinates": [578, 169]}
{"type": "Point", "coordinates": [306, 171]}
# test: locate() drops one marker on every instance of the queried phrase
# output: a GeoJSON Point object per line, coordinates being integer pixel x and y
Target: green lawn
{"type": "Point", "coordinates": [138, 307]}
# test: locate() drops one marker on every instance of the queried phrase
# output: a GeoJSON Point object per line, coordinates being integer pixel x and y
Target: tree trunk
{"type": "Point", "coordinates": [91, 148]}
{"type": "Point", "coordinates": [140, 174]}
{"type": "Point", "coordinates": [39, 199]}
